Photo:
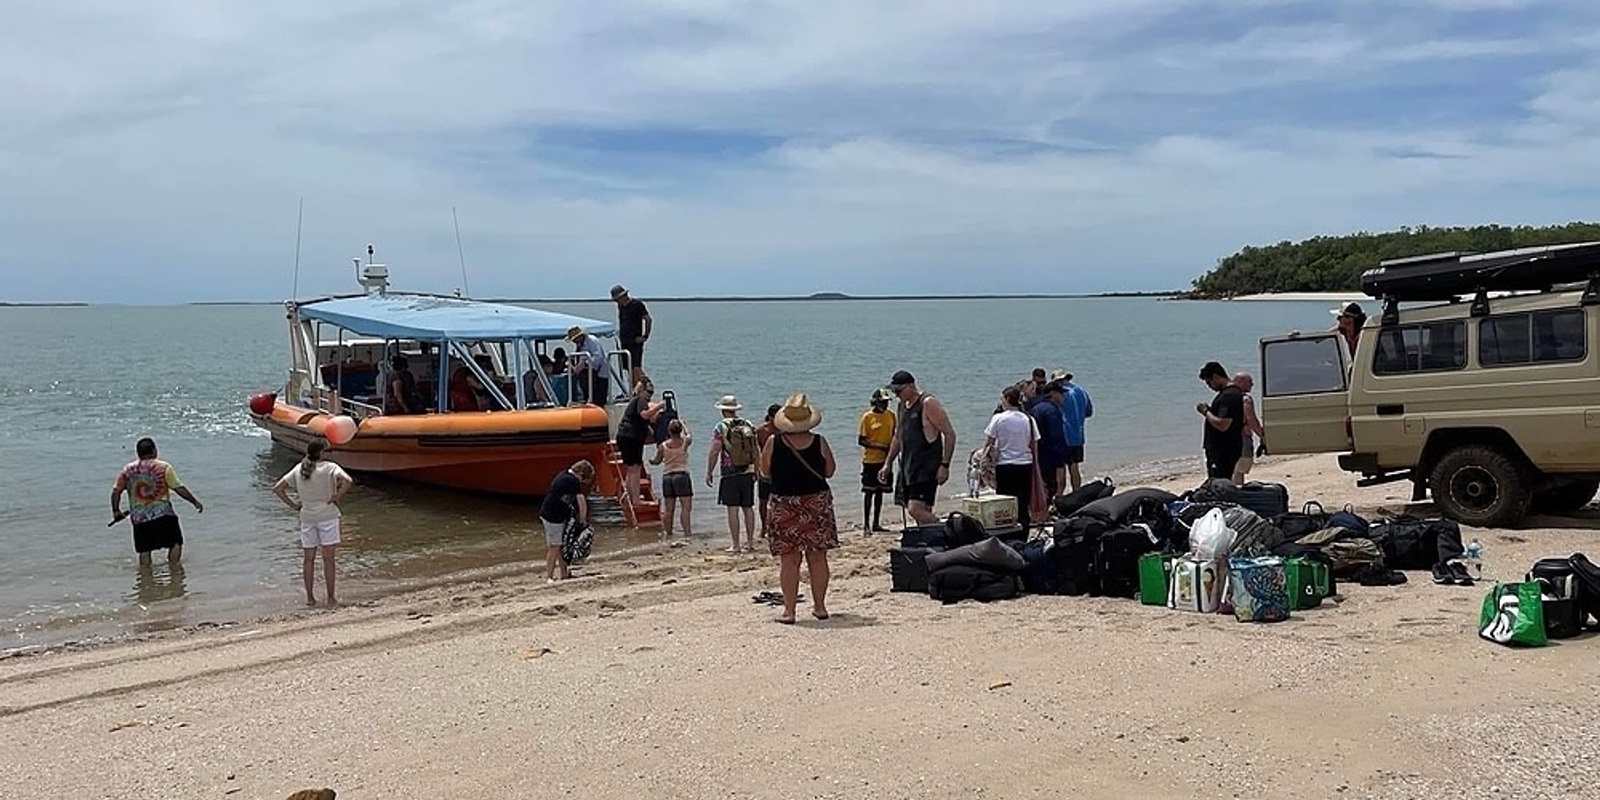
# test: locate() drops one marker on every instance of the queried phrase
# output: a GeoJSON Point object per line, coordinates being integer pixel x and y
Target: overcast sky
{"type": "Point", "coordinates": [156, 151]}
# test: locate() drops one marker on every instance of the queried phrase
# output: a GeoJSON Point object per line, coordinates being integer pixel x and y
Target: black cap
{"type": "Point", "coordinates": [902, 378]}
{"type": "Point", "coordinates": [1212, 368]}
{"type": "Point", "coordinates": [1038, 373]}
{"type": "Point", "coordinates": [1055, 387]}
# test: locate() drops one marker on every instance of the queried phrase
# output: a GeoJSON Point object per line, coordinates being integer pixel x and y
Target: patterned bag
{"type": "Point", "coordinates": [576, 540]}
{"type": "Point", "coordinates": [1259, 588]}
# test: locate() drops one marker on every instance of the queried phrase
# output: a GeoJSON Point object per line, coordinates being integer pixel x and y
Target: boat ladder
{"type": "Point", "coordinates": [648, 509]}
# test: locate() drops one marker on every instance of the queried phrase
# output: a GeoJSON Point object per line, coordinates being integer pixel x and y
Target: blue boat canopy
{"type": "Point", "coordinates": [431, 318]}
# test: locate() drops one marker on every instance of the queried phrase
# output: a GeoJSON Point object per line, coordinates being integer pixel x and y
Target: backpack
{"type": "Point", "coordinates": [576, 540]}
{"type": "Point", "coordinates": [1074, 557]}
{"type": "Point", "coordinates": [739, 440]}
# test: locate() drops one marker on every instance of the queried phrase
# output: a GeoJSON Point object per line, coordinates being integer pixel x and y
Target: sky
{"type": "Point", "coordinates": [157, 152]}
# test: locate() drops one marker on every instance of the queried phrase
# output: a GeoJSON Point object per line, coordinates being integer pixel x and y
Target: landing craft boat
{"type": "Point", "coordinates": [537, 424]}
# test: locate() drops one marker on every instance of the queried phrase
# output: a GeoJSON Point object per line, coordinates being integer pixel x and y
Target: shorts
{"type": "Point", "coordinates": [1074, 454]}
{"type": "Point", "coordinates": [161, 533]}
{"type": "Point", "coordinates": [553, 532]}
{"type": "Point", "coordinates": [764, 489]}
{"type": "Point", "coordinates": [925, 492]}
{"type": "Point", "coordinates": [677, 484]}
{"type": "Point", "coordinates": [632, 451]}
{"type": "Point", "coordinates": [1243, 465]}
{"type": "Point", "coordinates": [319, 534]}
{"type": "Point", "coordinates": [635, 353]}
{"type": "Point", "coordinates": [737, 490]}
{"type": "Point", "coordinates": [869, 478]}
{"type": "Point", "coordinates": [1220, 465]}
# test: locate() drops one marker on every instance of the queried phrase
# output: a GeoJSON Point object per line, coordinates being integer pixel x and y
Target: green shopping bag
{"type": "Point", "coordinates": [1513, 614]}
{"type": "Point", "coordinates": [1155, 570]}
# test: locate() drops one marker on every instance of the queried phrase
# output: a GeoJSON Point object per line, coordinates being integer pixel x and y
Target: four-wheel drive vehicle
{"type": "Point", "coordinates": [1487, 397]}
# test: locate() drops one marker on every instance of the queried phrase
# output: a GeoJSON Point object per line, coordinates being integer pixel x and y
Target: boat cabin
{"type": "Point", "coordinates": [463, 356]}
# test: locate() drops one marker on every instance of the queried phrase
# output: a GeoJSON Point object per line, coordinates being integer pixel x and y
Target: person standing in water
{"type": "Point", "coordinates": [677, 487]}
{"type": "Point", "coordinates": [925, 445]}
{"type": "Point", "coordinates": [875, 436]}
{"type": "Point", "coordinates": [150, 483]}
{"type": "Point", "coordinates": [319, 485]}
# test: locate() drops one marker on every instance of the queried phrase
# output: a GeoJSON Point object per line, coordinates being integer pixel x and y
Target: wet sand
{"type": "Point", "coordinates": [655, 675]}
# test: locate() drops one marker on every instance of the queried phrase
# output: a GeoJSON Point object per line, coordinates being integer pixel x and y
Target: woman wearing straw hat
{"type": "Point", "coordinates": [800, 523]}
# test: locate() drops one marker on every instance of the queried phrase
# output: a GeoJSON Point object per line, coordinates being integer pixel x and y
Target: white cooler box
{"type": "Point", "coordinates": [993, 510]}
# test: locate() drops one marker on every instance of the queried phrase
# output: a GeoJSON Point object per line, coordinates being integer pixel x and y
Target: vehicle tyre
{"type": "Point", "coordinates": [1565, 499]}
{"type": "Point", "coordinates": [1480, 486]}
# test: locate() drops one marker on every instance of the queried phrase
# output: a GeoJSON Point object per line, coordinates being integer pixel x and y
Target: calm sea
{"type": "Point", "coordinates": [81, 384]}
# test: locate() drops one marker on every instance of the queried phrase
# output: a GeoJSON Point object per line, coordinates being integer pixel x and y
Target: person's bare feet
{"type": "Point", "coordinates": [786, 619]}
{"type": "Point", "coordinates": [820, 613]}
{"type": "Point", "coordinates": [311, 602]}
{"type": "Point", "coordinates": [332, 603]}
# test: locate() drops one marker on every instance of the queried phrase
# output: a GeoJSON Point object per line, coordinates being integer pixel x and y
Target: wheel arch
{"type": "Point", "coordinates": [1446, 439]}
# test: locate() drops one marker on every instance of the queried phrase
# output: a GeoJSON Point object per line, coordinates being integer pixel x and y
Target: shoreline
{"type": "Point", "coordinates": [660, 659]}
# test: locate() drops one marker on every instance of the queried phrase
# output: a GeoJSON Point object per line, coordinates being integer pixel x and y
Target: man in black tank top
{"type": "Point", "coordinates": [924, 463]}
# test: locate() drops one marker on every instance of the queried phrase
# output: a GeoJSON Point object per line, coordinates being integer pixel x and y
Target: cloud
{"type": "Point", "coordinates": [156, 152]}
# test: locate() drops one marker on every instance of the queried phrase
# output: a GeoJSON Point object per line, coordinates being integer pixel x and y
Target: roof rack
{"type": "Point", "coordinates": [1446, 276]}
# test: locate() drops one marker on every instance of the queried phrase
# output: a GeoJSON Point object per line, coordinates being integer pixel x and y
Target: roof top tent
{"type": "Point", "coordinates": [1443, 277]}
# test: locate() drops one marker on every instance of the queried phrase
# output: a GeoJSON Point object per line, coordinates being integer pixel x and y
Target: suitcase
{"type": "Point", "coordinates": [934, 534]}
{"type": "Point", "coordinates": [1268, 500]}
{"type": "Point", "coordinates": [1117, 561]}
{"type": "Point", "coordinates": [908, 569]}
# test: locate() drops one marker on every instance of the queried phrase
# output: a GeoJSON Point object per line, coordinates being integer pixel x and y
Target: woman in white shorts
{"type": "Point", "coordinates": [318, 484]}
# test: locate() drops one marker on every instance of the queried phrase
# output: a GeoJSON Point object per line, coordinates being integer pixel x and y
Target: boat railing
{"type": "Point", "coordinates": [329, 401]}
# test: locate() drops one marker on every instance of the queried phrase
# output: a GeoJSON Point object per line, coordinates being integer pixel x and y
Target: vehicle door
{"type": "Point", "coordinates": [1304, 394]}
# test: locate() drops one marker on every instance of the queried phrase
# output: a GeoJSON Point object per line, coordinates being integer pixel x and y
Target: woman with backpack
{"type": "Point", "coordinates": [800, 523]}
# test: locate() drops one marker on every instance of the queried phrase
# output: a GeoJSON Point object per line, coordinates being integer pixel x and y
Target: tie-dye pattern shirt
{"type": "Point", "coordinates": [149, 483]}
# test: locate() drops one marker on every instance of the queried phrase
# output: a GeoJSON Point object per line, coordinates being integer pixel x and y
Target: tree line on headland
{"type": "Point", "coordinates": [1335, 263]}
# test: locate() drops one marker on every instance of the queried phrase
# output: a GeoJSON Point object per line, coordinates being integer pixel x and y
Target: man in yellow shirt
{"type": "Point", "coordinates": [877, 432]}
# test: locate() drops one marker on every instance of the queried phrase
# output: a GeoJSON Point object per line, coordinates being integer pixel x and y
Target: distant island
{"type": "Point", "coordinates": [837, 296]}
{"type": "Point", "coordinates": [5, 304]}
{"type": "Point", "coordinates": [1335, 263]}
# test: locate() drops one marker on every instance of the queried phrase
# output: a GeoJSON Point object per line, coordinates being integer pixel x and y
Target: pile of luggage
{"type": "Point", "coordinates": [1217, 548]}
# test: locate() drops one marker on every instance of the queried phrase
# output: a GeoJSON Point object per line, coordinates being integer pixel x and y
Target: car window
{"type": "Point", "coordinates": [1430, 347]}
{"type": "Point", "coordinates": [1302, 366]}
{"type": "Point", "coordinates": [1539, 337]}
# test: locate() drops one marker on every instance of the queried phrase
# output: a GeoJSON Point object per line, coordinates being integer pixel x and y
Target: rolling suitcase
{"type": "Point", "coordinates": [1268, 500]}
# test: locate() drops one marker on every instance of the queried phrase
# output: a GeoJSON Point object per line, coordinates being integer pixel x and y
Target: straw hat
{"type": "Point", "coordinates": [1060, 375]}
{"type": "Point", "coordinates": [798, 415]}
{"type": "Point", "coordinates": [728, 403]}
{"type": "Point", "coordinates": [574, 332]}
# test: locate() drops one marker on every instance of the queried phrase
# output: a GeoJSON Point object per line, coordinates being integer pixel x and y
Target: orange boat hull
{"type": "Point", "coordinates": [499, 452]}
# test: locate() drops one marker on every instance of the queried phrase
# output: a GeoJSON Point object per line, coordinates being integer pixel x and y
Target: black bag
{"type": "Point", "coordinates": [668, 413]}
{"type": "Point", "coordinates": [1117, 559]}
{"type": "Point", "coordinates": [1038, 577]}
{"type": "Point", "coordinates": [963, 529]}
{"type": "Point", "coordinates": [1350, 521]}
{"type": "Point", "coordinates": [908, 569]}
{"type": "Point", "coordinates": [967, 582]}
{"type": "Point", "coordinates": [577, 538]}
{"type": "Point", "coordinates": [1412, 543]}
{"type": "Point", "coordinates": [1588, 589]}
{"type": "Point", "coordinates": [1150, 507]}
{"type": "Point", "coordinates": [933, 535]}
{"type": "Point", "coordinates": [1068, 504]}
{"type": "Point", "coordinates": [1268, 500]}
{"type": "Point", "coordinates": [1215, 490]}
{"type": "Point", "coordinates": [1309, 519]}
{"type": "Point", "coordinates": [1013, 535]}
{"type": "Point", "coordinates": [990, 552]}
{"type": "Point", "coordinates": [1559, 591]}
{"type": "Point", "coordinates": [1077, 546]}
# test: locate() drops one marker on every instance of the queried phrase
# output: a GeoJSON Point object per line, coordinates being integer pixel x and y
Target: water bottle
{"type": "Point", "coordinates": [1475, 558]}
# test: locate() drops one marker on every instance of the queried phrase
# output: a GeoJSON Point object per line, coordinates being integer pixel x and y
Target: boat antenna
{"type": "Point", "coordinates": [299, 223]}
{"type": "Point", "coordinates": [460, 253]}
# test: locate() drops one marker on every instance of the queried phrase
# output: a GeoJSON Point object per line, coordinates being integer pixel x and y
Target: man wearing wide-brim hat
{"type": "Point", "coordinates": [589, 369]}
{"type": "Point", "coordinates": [1350, 320]}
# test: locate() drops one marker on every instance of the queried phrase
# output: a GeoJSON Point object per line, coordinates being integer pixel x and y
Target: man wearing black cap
{"type": "Point", "coordinates": [633, 328]}
{"type": "Point", "coordinates": [1224, 431]}
{"type": "Point", "coordinates": [925, 443]}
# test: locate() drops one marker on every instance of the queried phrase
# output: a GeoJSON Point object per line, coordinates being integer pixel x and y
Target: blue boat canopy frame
{"type": "Point", "coordinates": [435, 318]}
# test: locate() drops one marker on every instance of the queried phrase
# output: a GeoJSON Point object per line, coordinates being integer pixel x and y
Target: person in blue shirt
{"type": "Point", "coordinates": [1052, 439]}
{"type": "Point", "coordinates": [1076, 409]}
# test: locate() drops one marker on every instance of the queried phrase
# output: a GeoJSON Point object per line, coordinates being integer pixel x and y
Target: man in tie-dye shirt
{"type": "Point", "coordinates": [150, 483]}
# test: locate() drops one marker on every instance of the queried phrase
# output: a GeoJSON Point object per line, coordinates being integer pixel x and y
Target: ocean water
{"type": "Point", "coordinates": [81, 384]}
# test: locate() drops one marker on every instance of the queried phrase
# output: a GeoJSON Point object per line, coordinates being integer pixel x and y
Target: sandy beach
{"type": "Point", "coordinates": [654, 675]}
